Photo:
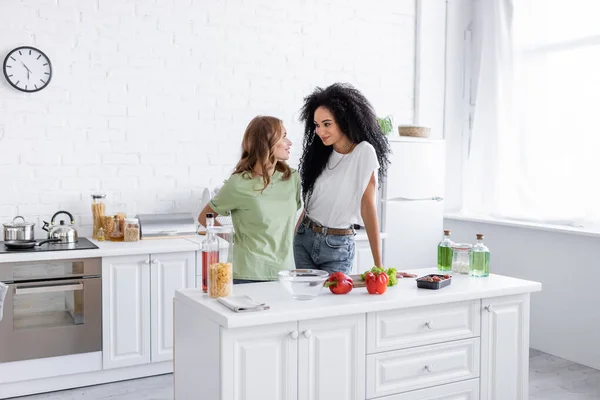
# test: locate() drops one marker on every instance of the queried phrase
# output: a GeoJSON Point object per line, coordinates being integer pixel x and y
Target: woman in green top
{"type": "Point", "coordinates": [262, 196]}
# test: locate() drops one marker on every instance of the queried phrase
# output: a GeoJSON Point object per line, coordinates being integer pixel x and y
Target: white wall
{"type": "Point", "coordinates": [149, 100]}
{"type": "Point", "coordinates": [564, 316]}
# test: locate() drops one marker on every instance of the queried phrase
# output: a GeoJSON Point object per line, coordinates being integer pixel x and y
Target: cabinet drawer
{"type": "Point", "coordinates": [417, 368]}
{"type": "Point", "coordinates": [410, 327]}
{"type": "Point", "coordinates": [466, 390]}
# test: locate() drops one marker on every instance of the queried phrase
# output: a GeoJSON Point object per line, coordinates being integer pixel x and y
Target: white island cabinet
{"type": "Point", "coordinates": [469, 341]}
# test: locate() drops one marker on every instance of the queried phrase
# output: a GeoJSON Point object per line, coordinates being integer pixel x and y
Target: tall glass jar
{"type": "Point", "coordinates": [98, 212]}
{"type": "Point", "coordinates": [210, 249]}
{"type": "Point", "coordinates": [480, 259]}
{"type": "Point", "coordinates": [220, 273]}
{"type": "Point", "coordinates": [131, 233]}
{"type": "Point", "coordinates": [461, 258]}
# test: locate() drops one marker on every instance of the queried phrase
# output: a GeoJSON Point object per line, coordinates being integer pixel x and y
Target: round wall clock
{"type": "Point", "coordinates": [27, 69]}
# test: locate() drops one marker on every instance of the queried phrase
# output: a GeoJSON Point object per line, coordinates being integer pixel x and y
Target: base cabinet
{"type": "Point", "coordinates": [313, 359]}
{"type": "Point", "coordinates": [137, 306]}
{"type": "Point", "coordinates": [475, 349]}
{"type": "Point", "coordinates": [505, 348]}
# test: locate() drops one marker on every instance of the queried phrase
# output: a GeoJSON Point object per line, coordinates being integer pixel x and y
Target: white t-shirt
{"type": "Point", "coordinates": [337, 194]}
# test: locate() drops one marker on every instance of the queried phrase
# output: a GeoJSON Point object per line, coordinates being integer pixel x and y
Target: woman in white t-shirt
{"type": "Point", "coordinates": [345, 155]}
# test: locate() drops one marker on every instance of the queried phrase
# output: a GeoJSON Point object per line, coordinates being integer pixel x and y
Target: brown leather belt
{"type": "Point", "coordinates": [329, 231]}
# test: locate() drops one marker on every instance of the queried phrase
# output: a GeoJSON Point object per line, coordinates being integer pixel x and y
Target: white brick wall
{"type": "Point", "coordinates": [149, 99]}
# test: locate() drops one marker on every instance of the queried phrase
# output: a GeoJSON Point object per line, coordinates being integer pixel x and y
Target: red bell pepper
{"type": "Point", "coordinates": [339, 283]}
{"type": "Point", "coordinates": [376, 283]}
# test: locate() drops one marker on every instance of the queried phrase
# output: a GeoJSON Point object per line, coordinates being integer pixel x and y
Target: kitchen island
{"type": "Point", "coordinates": [469, 340]}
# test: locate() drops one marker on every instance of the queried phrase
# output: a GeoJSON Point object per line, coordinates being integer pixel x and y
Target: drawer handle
{"type": "Point", "coordinates": [489, 308]}
{"type": "Point", "coordinates": [428, 368]}
{"type": "Point", "coordinates": [429, 324]}
{"type": "Point", "coordinates": [294, 335]}
{"type": "Point", "coordinates": [307, 334]}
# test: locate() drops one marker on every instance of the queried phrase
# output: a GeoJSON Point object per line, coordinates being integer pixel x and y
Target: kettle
{"type": "Point", "coordinates": [66, 233]}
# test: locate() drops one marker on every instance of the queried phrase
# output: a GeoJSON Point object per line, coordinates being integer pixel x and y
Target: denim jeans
{"type": "Point", "coordinates": [331, 253]}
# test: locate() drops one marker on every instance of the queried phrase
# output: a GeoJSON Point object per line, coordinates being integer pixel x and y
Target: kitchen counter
{"type": "Point", "coordinates": [107, 249]}
{"type": "Point", "coordinates": [405, 294]}
{"type": "Point", "coordinates": [469, 338]}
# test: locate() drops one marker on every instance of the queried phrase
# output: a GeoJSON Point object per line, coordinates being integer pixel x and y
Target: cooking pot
{"type": "Point", "coordinates": [22, 230]}
{"type": "Point", "coordinates": [66, 233]}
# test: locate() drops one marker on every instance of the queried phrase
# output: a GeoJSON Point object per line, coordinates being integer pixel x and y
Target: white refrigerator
{"type": "Point", "coordinates": [412, 203]}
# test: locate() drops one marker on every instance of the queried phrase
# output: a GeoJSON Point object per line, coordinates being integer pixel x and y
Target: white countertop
{"type": "Point", "coordinates": [404, 295]}
{"type": "Point", "coordinates": [107, 249]}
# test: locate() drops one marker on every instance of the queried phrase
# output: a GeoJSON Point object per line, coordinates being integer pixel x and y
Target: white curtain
{"type": "Point", "coordinates": [535, 141]}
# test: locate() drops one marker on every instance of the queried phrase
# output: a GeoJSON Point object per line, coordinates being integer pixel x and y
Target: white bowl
{"type": "Point", "coordinates": [303, 284]}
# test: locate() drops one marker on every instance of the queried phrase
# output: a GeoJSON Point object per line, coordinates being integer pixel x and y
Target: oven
{"type": "Point", "coordinates": [52, 308]}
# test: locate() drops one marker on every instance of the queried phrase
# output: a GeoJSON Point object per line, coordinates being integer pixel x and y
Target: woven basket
{"type": "Point", "coordinates": [414, 131]}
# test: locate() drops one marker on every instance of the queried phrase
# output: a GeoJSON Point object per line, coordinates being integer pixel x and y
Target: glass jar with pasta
{"type": "Point", "coordinates": [220, 272]}
{"type": "Point", "coordinates": [131, 232]}
{"type": "Point", "coordinates": [98, 212]}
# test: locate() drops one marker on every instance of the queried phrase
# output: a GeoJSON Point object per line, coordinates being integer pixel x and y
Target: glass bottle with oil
{"type": "Point", "coordinates": [480, 259]}
{"type": "Point", "coordinates": [444, 259]}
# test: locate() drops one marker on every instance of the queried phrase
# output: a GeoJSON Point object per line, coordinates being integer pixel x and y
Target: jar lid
{"type": "Point", "coordinates": [98, 195]}
{"type": "Point", "coordinates": [462, 246]}
{"type": "Point", "coordinates": [131, 220]}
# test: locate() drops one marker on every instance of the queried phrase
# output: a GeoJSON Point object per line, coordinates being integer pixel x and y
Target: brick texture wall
{"type": "Point", "coordinates": [149, 99]}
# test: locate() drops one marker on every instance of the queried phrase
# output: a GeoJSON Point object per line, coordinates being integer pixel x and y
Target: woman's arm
{"type": "Point", "coordinates": [368, 212]}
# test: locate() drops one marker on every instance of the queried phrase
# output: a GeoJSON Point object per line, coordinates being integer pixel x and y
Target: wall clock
{"type": "Point", "coordinates": [27, 69]}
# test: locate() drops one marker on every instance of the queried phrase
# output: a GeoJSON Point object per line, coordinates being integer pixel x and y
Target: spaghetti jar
{"type": "Point", "coordinates": [98, 211]}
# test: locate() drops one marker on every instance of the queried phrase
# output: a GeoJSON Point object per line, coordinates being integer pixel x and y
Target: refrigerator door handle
{"type": "Point", "coordinates": [415, 199]}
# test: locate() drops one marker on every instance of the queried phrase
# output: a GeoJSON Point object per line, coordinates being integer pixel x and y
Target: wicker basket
{"type": "Point", "coordinates": [414, 131]}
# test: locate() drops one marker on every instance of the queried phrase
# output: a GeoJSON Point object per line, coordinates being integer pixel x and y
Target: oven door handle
{"type": "Point", "coordinates": [48, 289]}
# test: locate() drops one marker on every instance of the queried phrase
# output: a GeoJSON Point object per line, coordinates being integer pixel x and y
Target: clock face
{"type": "Point", "coordinates": [27, 69]}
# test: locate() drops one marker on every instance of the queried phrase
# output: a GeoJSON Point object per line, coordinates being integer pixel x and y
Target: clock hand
{"type": "Point", "coordinates": [28, 71]}
{"type": "Point", "coordinates": [25, 66]}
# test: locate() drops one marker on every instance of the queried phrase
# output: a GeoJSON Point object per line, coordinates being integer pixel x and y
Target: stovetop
{"type": "Point", "coordinates": [81, 244]}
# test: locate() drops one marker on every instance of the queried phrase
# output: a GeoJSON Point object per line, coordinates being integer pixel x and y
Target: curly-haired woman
{"type": "Point", "coordinates": [344, 156]}
{"type": "Point", "coordinates": [262, 196]}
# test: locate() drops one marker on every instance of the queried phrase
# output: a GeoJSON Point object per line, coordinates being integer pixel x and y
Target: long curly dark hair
{"type": "Point", "coordinates": [356, 119]}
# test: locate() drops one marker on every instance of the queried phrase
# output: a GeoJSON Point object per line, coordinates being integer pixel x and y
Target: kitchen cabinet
{"type": "Point", "coordinates": [467, 343]}
{"type": "Point", "coordinates": [125, 311]}
{"type": "Point", "coordinates": [168, 273]}
{"type": "Point", "coordinates": [505, 348]}
{"type": "Point", "coordinates": [363, 259]}
{"type": "Point", "coordinates": [312, 359]}
{"type": "Point", "coordinates": [263, 361]}
{"type": "Point", "coordinates": [137, 311]}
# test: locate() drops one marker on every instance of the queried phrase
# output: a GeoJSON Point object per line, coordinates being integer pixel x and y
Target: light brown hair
{"type": "Point", "coordinates": [258, 147]}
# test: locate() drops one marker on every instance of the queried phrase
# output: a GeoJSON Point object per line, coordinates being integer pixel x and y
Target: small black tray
{"type": "Point", "coordinates": [433, 285]}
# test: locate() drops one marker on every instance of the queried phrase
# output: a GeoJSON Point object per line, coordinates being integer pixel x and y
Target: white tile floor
{"type": "Point", "coordinates": [550, 378]}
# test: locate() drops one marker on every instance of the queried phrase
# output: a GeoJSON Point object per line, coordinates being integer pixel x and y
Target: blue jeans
{"type": "Point", "coordinates": [331, 253]}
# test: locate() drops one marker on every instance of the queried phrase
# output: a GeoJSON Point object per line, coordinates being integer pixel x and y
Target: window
{"type": "Point", "coordinates": [536, 131]}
